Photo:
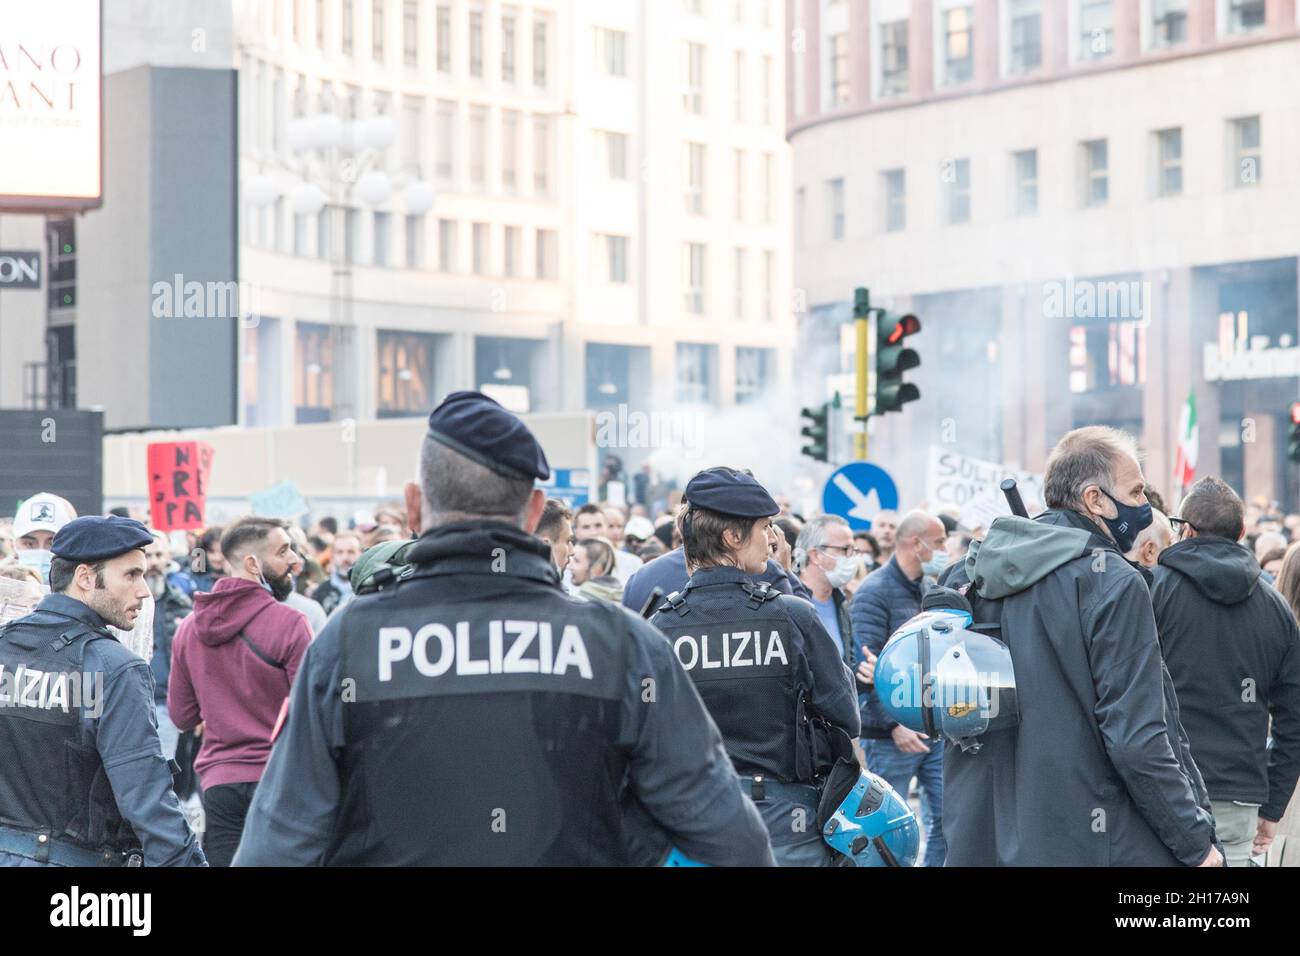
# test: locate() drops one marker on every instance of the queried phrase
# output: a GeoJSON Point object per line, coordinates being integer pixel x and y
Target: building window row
{"type": "Point", "coordinates": [1095, 170]}
{"type": "Point", "coordinates": [695, 281]}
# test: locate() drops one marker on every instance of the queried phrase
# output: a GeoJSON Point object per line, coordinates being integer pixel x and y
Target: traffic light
{"type": "Point", "coordinates": [893, 358]}
{"type": "Point", "coordinates": [817, 431]}
{"type": "Point", "coordinates": [1293, 444]}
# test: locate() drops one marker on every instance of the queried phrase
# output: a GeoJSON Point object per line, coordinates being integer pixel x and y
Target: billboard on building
{"type": "Point", "coordinates": [50, 105]}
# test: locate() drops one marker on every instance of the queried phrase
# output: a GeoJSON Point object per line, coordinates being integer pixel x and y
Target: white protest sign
{"type": "Point", "coordinates": [972, 486]}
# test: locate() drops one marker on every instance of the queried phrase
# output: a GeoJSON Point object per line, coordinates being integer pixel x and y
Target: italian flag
{"type": "Point", "coordinates": [1188, 437]}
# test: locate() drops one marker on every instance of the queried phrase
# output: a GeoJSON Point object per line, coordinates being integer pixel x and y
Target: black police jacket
{"type": "Point", "coordinates": [50, 780]}
{"type": "Point", "coordinates": [765, 668]}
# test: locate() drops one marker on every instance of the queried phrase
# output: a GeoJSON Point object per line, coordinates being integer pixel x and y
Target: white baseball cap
{"type": "Point", "coordinates": [638, 527]}
{"type": "Point", "coordinates": [42, 512]}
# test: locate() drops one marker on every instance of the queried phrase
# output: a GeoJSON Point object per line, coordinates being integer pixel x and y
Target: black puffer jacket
{"type": "Point", "coordinates": [1233, 649]}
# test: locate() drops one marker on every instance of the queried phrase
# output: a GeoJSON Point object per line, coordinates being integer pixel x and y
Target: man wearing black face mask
{"type": "Point", "coordinates": [233, 662]}
{"type": "Point", "coordinates": [1098, 771]}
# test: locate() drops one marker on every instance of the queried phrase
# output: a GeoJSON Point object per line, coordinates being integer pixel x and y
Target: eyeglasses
{"type": "Point", "coordinates": [846, 549]}
{"type": "Point", "coordinates": [1177, 525]}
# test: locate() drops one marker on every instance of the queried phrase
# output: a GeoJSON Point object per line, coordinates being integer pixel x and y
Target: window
{"type": "Point", "coordinates": [377, 30]}
{"type": "Point", "coordinates": [410, 33]}
{"type": "Point", "coordinates": [351, 235]}
{"type": "Point", "coordinates": [1026, 23]}
{"type": "Point", "coordinates": [476, 44]}
{"type": "Point", "coordinates": [540, 51]}
{"type": "Point", "coordinates": [320, 24]}
{"type": "Point", "coordinates": [893, 58]}
{"type": "Point", "coordinates": [445, 141]}
{"type": "Point", "coordinates": [1107, 354]}
{"type": "Point", "coordinates": [513, 237]}
{"type": "Point", "coordinates": [508, 46]}
{"type": "Point", "coordinates": [324, 230]}
{"type": "Point", "coordinates": [300, 234]}
{"type": "Point", "coordinates": [478, 145]}
{"type": "Point", "coordinates": [383, 237]}
{"type": "Point", "coordinates": [615, 155]}
{"type": "Point", "coordinates": [313, 391]}
{"type": "Point", "coordinates": [738, 12]}
{"type": "Point", "coordinates": [615, 259]}
{"type": "Point", "coordinates": [1096, 176]}
{"type": "Point", "coordinates": [768, 164]}
{"type": "Point", "coordinates": [1026, 172]}
{"type": "Point", "coordinates": [405, 363]}
{"type": "Point", "coordinates": [957, 176]}
{"type": "Point", "coordinates": [739, 290]}
{"type": "Point", "coordinates": [695, 372]}
{"type": "Point", "coordinates": [835, 208]}
{"type": "Point", "coordinates": [1169, 162]}
{"type": "Point", "coordinates": [510, 150]}
{"type": "Point", "coordinates": [296, 26]}
{"type": "Point", "coordinates": [548, 254]}
{"type": "Point", "coordinates": [958, 45]}
{"type": "Point", "coordinates": [443, 27]}
{"type": "Point", "coordinates": [753, 370]}
{"type": "Point", "coordinates": [479, 249]}
{"type": "Point", "coordinates": [447, 243]}
{"type": "Point", "coordinates": [611, 51]}
{"type": "Point", "coordinates": [348, 15]}
{"type": "Point", "coordinates": [694, 277]}
{"type": "Point", "coordinates": [839, 69]}
{"type": "Point", "coordinates": [737, 86]}
{"type": "Point", "coordinates": [1096, 29]}
{"type": "Point", "coordinates": [738, 177]}
{"type": "Point", "coordinates": [1245, 15]}
{"type": "Point", "coordinates": [412, 139]}
{"type": "Point", "coordinates": [769, 281]}
{"type": "Point", "coordinates": [693, 98]}
{"type": "Point", "coordinates": [895, 200]}
{"type": "Point", "coordinates": [695, 7]}
{"type": "Point", "coordinates": [1168, 23]}
{"type": "Point", "coordinates": [1246, 151]}
{"type": "Point", "coordinates": [695, 157]}
{"type": "Point", "coordinates": [767, 91]}
{"type": "Point", "coordinates": [542, 155]}
{"type": "Point", "coordinates": [414, 242]}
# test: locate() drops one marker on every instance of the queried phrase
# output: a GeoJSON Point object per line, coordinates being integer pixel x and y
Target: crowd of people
{"type": "Point", "coordinates": [236, 609]}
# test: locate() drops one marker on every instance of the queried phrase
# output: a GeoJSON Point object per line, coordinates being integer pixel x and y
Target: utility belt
{"type": "Point", "coordinates": [38, 845]}
{"type": "Point", "coordinates": [761, 787]}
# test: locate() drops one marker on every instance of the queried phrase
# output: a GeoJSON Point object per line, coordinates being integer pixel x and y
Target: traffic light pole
{"type": "Point", "coordinates": [862, 326]}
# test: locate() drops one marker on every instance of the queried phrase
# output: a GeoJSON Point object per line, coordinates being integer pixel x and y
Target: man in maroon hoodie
{"type": "Point", "coordinates": [233, 663]}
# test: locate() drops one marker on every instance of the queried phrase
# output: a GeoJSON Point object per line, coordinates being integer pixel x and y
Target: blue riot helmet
{"type": "Point", "coordinates": [873, 825]}
{"type": "Point", "coordinates": [937, 676]}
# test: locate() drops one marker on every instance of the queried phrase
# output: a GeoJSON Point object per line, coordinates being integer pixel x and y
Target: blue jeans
{"type": "Point", "coordinates": [898, 768]}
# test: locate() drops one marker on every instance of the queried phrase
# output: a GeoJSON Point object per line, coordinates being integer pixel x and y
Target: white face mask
{"type": "Point", "coordinates": [39, 559]}
{"type": "Point", "coordinates": [846, 568]}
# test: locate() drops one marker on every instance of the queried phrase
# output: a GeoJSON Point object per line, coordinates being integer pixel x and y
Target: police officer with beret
{"type": "Point", "coordinates": [762, 660]}
{"type": "Point", "coordinates": [471, 713]}
{"type": "Point", "coordinates": [67, 686]}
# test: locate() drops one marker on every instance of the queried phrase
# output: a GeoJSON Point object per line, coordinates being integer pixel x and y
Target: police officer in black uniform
{"type": "Point", "coordinates": [471, 713]}
{"type": "Point", "coordinates": [68, 687]}
{"type": "Point", "coordinates": [763, 662]}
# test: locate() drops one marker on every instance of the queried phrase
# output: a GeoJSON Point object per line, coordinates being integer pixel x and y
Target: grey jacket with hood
{"type": "Point", "coordinates": [1097, 772]}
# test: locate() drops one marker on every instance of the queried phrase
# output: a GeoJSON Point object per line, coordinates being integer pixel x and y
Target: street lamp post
{"type": "Point", "coordinates": [346, 153]}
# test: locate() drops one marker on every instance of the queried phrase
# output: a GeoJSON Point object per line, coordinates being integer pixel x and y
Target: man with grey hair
{"type": "Point", "coordinates": [1096, 772]}
{"type": "Point", "coordinates": [1233, 650]}
{"type": "Point", "coordinates": [885, 601]}
{"type": "Point", "coordinates": [1153, 539]}
{"type": "Point", "coordinates": [823, 553]}
{"type": "Point", "coordinates": [524, 727]}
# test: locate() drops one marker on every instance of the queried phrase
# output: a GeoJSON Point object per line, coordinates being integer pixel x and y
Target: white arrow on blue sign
{"type": "Point", "coordinates": [858, 492]}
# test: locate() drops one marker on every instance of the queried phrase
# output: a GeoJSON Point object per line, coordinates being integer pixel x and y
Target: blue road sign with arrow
{"type": "Point", "coordinates": [858, 492]}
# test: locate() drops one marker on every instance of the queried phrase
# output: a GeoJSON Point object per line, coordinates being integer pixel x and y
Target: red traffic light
{"type": "Point", "coordinates": [908, 325]}
{"type": "Point", "coordinates": [1295, 413]}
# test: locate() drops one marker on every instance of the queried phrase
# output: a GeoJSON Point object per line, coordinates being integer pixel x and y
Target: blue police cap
{"type": "Point", "coordinates": [480, 429]}
{"type": "Point", "coordinates": [92, 538]}
{"type": "Point", "coordinates": [730, 493]}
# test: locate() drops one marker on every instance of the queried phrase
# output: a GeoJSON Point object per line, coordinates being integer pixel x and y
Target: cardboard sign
{"type": "Point", "coordinates": [178, 484]}
{"type": "Point", "coordinates": [971, 484]}
{"type": "Point", "coordinates": [279, 501]}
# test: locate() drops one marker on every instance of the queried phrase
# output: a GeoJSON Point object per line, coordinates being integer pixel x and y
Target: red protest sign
{"type": "Point", "coordinates": [178, 484]}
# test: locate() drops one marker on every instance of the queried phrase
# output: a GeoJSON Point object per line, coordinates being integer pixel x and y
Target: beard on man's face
{"type": "Point", "coordinates": [281, 587]}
